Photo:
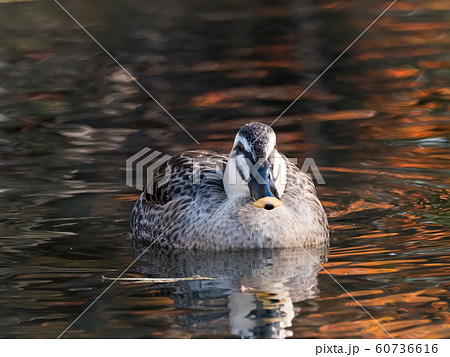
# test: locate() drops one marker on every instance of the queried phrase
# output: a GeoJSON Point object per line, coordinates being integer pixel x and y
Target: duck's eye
{"type": "Point", "coordinates": [275, 147]}
{"type": "Point", "coordinates": [239, 148]}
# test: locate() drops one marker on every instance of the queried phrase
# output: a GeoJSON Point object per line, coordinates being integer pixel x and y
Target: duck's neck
{"type": "Point", "coordinates": [279, 168]}
{"type": "Point", "coordinates": [237, 187]}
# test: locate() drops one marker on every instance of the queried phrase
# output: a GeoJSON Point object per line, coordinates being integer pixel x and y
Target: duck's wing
{"type": "Point", "coordinates": [186, 174]}
{"type": "Point", "coordinates": [301, 186]}
{"type": "Point", "coordinates": [298, 180]}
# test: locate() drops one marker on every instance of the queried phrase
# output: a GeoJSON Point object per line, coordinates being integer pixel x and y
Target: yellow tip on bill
{"type": "Point", "coordinates": [262, 202]}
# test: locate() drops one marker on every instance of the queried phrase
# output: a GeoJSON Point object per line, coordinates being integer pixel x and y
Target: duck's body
{"type": "Point", "coordinates": [200, 207]}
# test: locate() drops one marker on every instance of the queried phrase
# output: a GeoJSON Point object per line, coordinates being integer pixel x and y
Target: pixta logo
{"type": "Point", "coordinates": [147, 159]}
{"type": "Point", "coordinates": [142, 166]}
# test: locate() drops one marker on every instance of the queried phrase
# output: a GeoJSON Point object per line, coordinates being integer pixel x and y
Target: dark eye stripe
{"type": "Point", "coordinates": [240, 173]}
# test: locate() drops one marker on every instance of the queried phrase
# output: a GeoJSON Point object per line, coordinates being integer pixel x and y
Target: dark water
{"type": "Point", "coordinates": [377, 125]}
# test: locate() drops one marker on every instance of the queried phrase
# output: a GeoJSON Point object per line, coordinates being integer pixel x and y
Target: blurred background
{"type": "Point", "coordinates": [376, 124]}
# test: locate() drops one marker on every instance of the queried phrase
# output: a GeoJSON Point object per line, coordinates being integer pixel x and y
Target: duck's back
{"type": "Point", "coordinates": [171, 191]}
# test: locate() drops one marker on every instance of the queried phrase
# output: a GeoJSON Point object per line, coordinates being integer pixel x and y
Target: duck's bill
{"type": "Point", "coordinates": [267, 203]}
{"type": "Point", "coordinates": [262, 188]}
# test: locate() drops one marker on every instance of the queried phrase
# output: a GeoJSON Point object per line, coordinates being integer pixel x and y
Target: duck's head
{"type": "Point", "coordinates": [255, 168]}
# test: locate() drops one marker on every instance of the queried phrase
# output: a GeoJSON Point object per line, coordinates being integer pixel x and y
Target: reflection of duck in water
{"type": "Point", "coordinates": [261, 314]}
{"type": "Point", "coordinates": [255, 292]}
{"type": "Point", "coordinates": [226, 211]}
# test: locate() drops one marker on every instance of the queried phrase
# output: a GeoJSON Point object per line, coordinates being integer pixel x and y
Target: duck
{"type": "Point", "coordinates": [254, 198]}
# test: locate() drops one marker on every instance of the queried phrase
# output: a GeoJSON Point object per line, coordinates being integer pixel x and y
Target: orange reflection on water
{"type": "Point", "coordinates": [414, 298]}
{"type": "Point", "coordinates": [358, 271]}
{"type": "Point", "coordinates": [127, 197]}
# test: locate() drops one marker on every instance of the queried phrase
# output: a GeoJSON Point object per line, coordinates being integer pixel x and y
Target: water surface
{"type": "Point", "coordinates": [376, 124]}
